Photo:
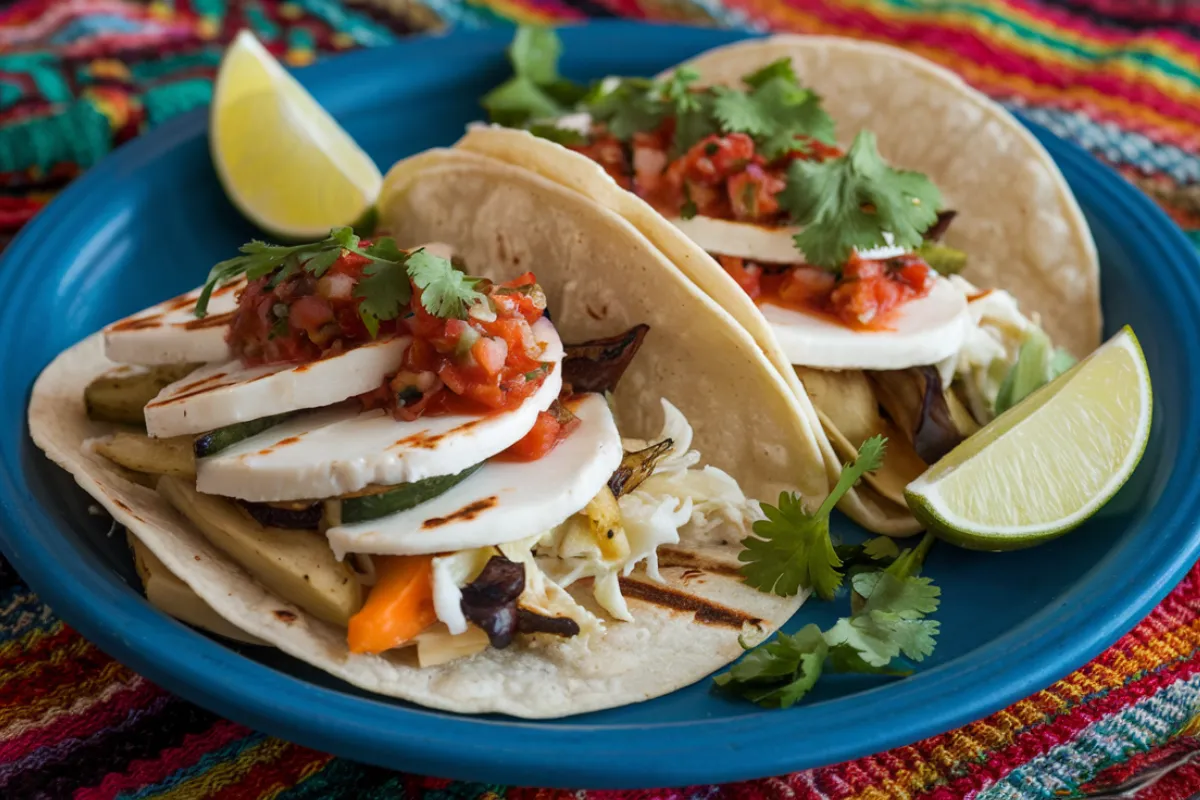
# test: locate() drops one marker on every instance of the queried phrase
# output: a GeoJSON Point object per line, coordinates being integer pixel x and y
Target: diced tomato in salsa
{"type": "Point", "coordinates": [863, 297]}
{"type": "Point", "coordinates": [550, 428]}
{"type": "Point", "coordinates": [723, 176]}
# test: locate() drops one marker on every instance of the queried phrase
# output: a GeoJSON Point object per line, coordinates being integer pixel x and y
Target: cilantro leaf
{"type": "Point", "coordinates": [891, 620]}
{"type": "Point", "coordinates": [632, 105]}
{"type": "Point", "coordinates": [791, 549]}
{"type": "Point", "coordinates": [781, 68]}
{"type": "Point", "coordinates": [536, 90]}
{"type": "Point", "coordinates": [740, 112]}
{"type": "Point", "coordinates": [778, 673]}
{"type": "Point", "coordinates": [1037, 364]}
{"type": "Point", "coordinates": [534, 53]}
{"type": "Point", "coordinates": [777, 112]}
{"type": "Point", "coordinates": [675, 90]}
{"type": "Point", "coordinates": [852, 201]}
{"type": "Point", "coordinates": [518, 100]}
{"type": "Point", "coordinates": [563, 136]}
{"type": "Point", "coordinates": [694, 123]}
{"type": "Point", "coordinates": [384, 290]}
{"type": "Point", "coordinates": [881, 547]}
{"type": "Point", "coordinates": [445, 292]}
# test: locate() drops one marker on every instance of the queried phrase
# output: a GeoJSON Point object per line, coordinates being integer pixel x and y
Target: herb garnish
{"type": "Point", "coordinates": [536, 91]}
{"type": "Point", "coordinates": [791, 549]}
{"type": "Point", "coordinates": [384, 288]}
{"type": "Point", "coordinates": [888, 618]}
{"type": "Point", "coordinates": [850, 202]}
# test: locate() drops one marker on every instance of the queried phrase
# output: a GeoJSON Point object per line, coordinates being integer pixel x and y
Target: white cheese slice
{"type": "Point", "coordinates": [171, 333]}
{"type": "Point", "coordinates": [770, 244]}
{"type": "Point", "coordinates": [921, 332]}
{"type": "Point", "coordinates": [502, 502]}
{"type": "Point", "coordinates": [217, 395]}
{"type": "Point", "coordinates": [342, 450]}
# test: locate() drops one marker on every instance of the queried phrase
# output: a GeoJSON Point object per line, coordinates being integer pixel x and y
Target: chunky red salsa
{"type": "Point", "coordinates": [487, 362]}
{"type": "Point", "coordinates": [726, 178]}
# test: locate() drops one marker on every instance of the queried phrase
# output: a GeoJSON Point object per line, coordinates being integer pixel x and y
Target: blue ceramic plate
{"type": "Point", "coordinates": [147, 222]}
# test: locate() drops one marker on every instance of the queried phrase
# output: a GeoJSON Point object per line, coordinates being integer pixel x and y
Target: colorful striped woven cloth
{"type": "Point", "coordinates": [78, 77]}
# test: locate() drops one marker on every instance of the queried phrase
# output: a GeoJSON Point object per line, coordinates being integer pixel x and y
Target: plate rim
{"type": "Point", "coordinates": [123, 624]}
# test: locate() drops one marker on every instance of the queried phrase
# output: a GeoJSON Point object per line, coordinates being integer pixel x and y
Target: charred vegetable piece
{"type": "Point", "coordinates": [637, 466]}
{"type": "Point", "coordinates": [604, 526]}
{"type": "Point", "coordinates": [393, 499]}
{"type": "Point", "coordinates": [530, 622]}
{"type": "Point", "coordinates": [296, 565]}
{"type": "Point", "coordinates": [937, 230]}
{"type": "Point", "coordinates": [490, 601]}
{"type": "Point", "coordinates": [597, 365]}
{"type": "Point", "coordinates": [293, 516]}
{"type": "Point", "coordinates": [916, 402]}
{"type": "Point", "coordinates": [944, 260]}
{"type": "Point", "coordinates": [213, 442]}
{"type": "Point", "coordinates": [122, 395]}
{"type": "Point", "coordinates": [141, 453]}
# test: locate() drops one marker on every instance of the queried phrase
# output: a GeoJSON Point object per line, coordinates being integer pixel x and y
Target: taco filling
{"type": "Point", "coordinates": [841, 252]}
{"type": "Point", "coordinates": [399, 449]}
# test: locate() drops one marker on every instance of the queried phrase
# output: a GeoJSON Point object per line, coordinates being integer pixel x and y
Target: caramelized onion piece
{"type": "Point", "coordinates": [597, 365]}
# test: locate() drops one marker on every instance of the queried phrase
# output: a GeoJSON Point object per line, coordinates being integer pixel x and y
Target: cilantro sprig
{"type": "Point", "coordinates": [536, 90]}
{"type": "Point", "coordinates": [888, 620]}
{"type": "Point", "coordinates": [384, 290]}
{"type": "Point", "coordinates": [853, 201]}
{"type": "Point", "coordinates": [1038, 362]}
{"type": "Point", "coordinates": [791, 549]}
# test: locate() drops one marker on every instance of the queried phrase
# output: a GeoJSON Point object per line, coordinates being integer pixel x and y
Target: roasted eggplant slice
{"type": "Point", "coordinates": [597, 365]}
{"type": "Point", "coordinates": [293, 516]}
{"type": "Point", "coordinates": [916, 401]}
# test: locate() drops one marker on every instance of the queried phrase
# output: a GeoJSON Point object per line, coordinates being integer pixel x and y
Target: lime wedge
{"type": "Point", "coordinates": [1046, 465]}
{"type": "Point", "coordinates": [282, 159]}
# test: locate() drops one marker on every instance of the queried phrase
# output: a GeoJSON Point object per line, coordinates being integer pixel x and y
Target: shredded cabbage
{"type": "Point", "coordinates": [991, 347]}
{"type": "Point", "coordinates": [678, 494]}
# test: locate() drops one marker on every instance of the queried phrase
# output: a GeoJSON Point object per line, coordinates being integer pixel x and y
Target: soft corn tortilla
{"type": "Point", "coordinates": [600, 276]}
{"type": "Point", "coordinates": [1018, 221]}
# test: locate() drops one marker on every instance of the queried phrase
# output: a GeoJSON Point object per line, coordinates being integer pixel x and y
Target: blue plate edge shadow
{"type": "Point", "coordinates": [611, 756]}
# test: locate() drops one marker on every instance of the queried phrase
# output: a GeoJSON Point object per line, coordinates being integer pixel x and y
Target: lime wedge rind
{"type": "Point", "coordinates": [283, 161]}
{"type": "Point", "coordinates": [929, 506]}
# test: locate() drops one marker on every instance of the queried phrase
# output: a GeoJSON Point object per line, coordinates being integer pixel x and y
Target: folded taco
{"type": "Point", "coordinates": [509, 472]}
{"type": "Point", "coordinates": [914, 297]}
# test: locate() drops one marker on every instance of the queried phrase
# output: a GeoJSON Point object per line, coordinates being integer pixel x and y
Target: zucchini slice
{"type": "Point", "coordinates": [392, 499]}
{"type": "Point", "coordinates": [213, 442]}
{"type": "Point", "coordinates": [122, 395]}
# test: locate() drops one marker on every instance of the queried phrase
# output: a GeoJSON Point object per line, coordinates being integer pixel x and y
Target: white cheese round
{"type": "Point", "coordinates": [502, 502]}
{"type": "Point", "coordinates": [217, 395]}
{"type": "Point", "coordinates": [337, 451]}
{"type": "Point", "coordinates": [171, 333]}
{"type": "Point", "coordinates": [770, 244]}
{"type": "Point", "coordinates": [920, 333]}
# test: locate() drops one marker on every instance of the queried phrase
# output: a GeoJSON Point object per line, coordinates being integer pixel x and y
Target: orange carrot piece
{"type": "Point", "coordinates": [399, 606]}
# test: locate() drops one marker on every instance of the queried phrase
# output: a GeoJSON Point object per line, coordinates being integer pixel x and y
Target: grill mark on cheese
{"type": "Point", "coordinates": [195, 393]}
{"type": "Point", "coordinates": [467, 512]}
{"type": "Point", "coordinates": [706, 612]}
{"type": "Point", "coordinates": [209, 321]}
{"type": "Point", "coordinates": [281, 443]}
{"type": "Point", "coordinates": [671, 557]}
{"type": "Point", "coordinates": [138, 323]}
{"type": "Point", "coordinates": [425, 441]}
{"type": "Point", "coordinates": [187, 387]}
